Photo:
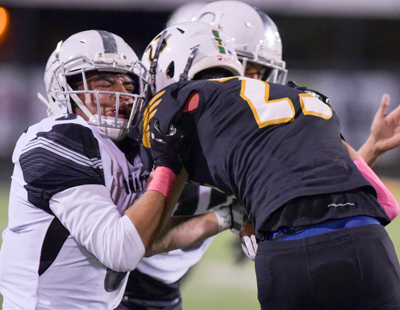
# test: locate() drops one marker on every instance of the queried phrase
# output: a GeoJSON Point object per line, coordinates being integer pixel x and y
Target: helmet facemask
{"type": "Point", "coordinates": [80, 58]}
{"type": "Point", "coordinates": [71, 82]}
{"type": "Point", "coordinates": [116, 128]}
{"type": "Point", "coordinates": [271, 71]}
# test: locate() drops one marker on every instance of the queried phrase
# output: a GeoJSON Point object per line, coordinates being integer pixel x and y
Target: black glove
{"type": "Point", "coordinates": [312, 92]}
{"type": "Point", "coordinates": [166, 148]}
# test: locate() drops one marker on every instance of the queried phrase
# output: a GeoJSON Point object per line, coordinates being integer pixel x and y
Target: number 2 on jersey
{"type": "Point", "coordinates": [271, 112]}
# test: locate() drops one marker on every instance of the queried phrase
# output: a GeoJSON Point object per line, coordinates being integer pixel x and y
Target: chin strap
{"type": "Point", "coordinates": [43, 99]}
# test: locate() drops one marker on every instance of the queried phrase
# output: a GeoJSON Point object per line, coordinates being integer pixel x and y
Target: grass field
{"type": "Point", "coordinates": [217, 281]}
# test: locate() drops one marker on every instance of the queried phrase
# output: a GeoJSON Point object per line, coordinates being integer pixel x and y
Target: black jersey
{"type": "Point", "coordinates": [266, 144]}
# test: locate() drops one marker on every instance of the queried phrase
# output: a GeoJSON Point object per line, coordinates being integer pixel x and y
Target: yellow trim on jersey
{"type": "Point", "coordinates": [272, 112]}
{"type": "Point", "coordinates": [226, 79]}
{"type": "Point", "coordinates": [310, 105]}
{"type": "Point", "coordinates": [279, 111]}
{"type": "Point", "coordinates": [148, 115]}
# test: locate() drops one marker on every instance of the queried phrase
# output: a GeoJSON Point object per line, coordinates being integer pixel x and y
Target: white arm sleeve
{"type": "Point", "coordinates": [91, 217]}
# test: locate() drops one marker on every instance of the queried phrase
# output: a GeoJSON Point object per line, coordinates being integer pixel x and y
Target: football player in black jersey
{"type": "Point", "coordinates": [155, 283]}
{"type": "Point", "coordinates": [259, 48]}
{"type": "Point", "coordinates": [278, 150]}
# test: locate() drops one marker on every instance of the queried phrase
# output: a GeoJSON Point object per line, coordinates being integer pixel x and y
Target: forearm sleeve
{"type": "Point", "coordinates": [385, 197]}
{"type": "Point", "coordinates": [91, 217]}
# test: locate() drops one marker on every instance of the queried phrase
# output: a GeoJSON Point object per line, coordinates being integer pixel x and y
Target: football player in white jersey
{"type": "Point", "coordinates": [76, 223]}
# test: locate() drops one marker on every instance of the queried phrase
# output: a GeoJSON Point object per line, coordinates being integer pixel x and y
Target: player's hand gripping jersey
{"type": "Point", "coordinates": [266, 144]}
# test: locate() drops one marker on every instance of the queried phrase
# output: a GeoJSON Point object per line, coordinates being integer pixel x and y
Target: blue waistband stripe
{"type": "Point", "coordinates": [331, 226]}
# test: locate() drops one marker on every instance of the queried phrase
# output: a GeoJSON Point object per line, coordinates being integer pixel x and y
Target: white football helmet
{"type": "Point", "coordinates": [254, 34]}
{"type": "Point", "coordinates": [184, 13]}
{"type": "Point", "coordinates": [183, 50]}
{"type": "Point", "coordinates": [88, 51]}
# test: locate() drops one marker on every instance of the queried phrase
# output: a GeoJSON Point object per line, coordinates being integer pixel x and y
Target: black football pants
{"type": "Point", "coordinates": [351, 268]}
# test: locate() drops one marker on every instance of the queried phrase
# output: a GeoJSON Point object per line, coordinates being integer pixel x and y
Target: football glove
{"type": "Point", "coordinates": [250, 246]}
{"type": "Point", "coordinates": [230, 217]}
{"type": "Point", "coordinates": [239, 216]}
{"type": "Point", "coordinates": [248, 240]}
{"type": "Point", "coordinates": [166, 148]}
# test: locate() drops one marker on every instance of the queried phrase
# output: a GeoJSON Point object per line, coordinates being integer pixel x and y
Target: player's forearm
{"type": "Point", "coordinates": [176, 191]}
{"type": "Point", "coordinates": [369, 151]}
{"type": "Point", "coordinates": [151, 213]}
{"type": "Point", "coordinates": [384, 196]}
{"type": "Point", "coordinates": [146, 215]}
{"type": "Point", "coordinates": [197, 228]}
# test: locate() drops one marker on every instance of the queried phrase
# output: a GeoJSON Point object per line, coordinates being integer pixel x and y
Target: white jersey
{"type": "Point", "coordinates": [171, 266]}
{"type": "Point", "coordinates": [66, 231]}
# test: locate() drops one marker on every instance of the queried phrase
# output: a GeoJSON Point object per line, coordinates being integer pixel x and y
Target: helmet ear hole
{"type": "Point", "coordinates": [171, 70]}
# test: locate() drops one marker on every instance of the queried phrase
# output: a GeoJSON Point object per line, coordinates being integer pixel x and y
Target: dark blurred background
{"type": "Point", "coordinates": [348, 50]}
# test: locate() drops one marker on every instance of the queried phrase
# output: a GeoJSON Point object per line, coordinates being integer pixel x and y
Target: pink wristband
{"type": "Point", "coordinates": [162, 181]}
{"type": "Point", "coordinates": [385, 197]}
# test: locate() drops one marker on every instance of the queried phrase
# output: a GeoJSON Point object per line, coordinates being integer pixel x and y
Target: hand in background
{"type": "Point", "coordinates": [385, 133]}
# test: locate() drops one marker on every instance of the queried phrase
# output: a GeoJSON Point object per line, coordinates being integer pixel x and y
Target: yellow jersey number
{"type": "Point", "coordinates": [271, 112]}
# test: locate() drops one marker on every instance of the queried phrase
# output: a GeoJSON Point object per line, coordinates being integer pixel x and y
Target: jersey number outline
{"type": "Point", "coordinates": [272, 112]}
